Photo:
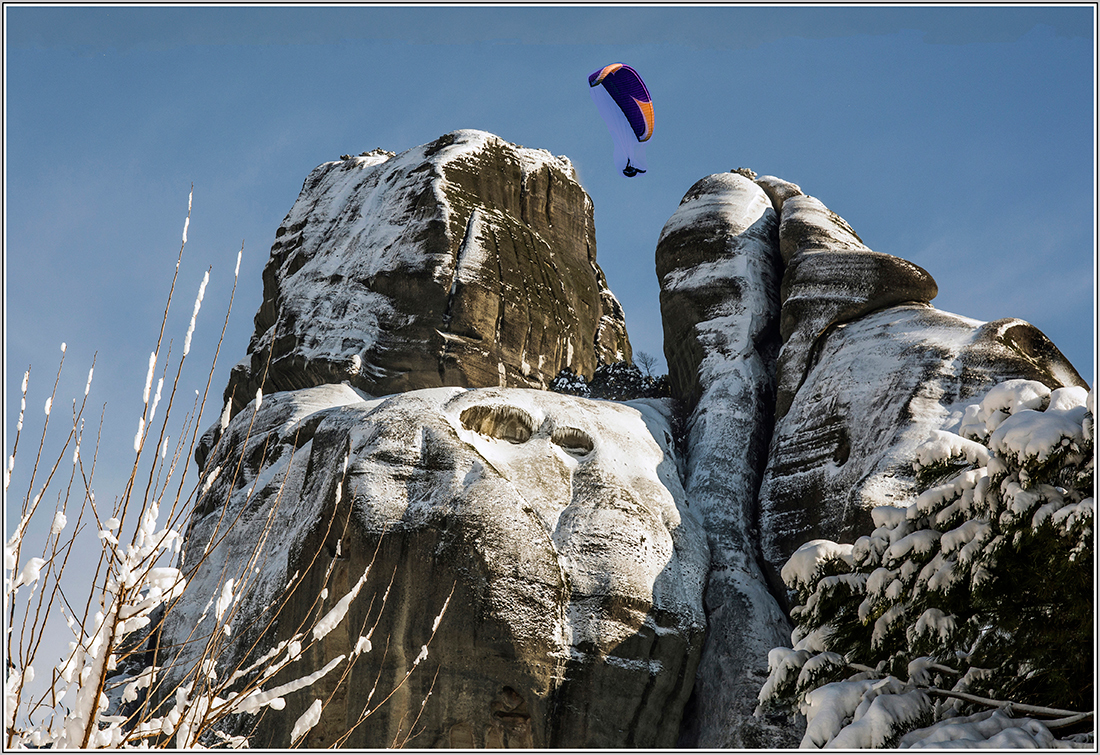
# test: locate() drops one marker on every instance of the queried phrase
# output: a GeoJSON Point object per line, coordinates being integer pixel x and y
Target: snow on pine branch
{"type": "Point", "coordinates": [975, 595]}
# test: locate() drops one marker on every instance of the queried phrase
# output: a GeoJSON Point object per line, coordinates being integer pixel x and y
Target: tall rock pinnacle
{"type": "Point", "coordinates": [468, 261]}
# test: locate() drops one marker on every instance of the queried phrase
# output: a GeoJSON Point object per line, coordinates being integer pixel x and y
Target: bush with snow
{"type": "Point", "coordinates": [971, 605]}
{"type": "Point", "coordinates": [107, 689]}
{"type": "Point", "coordinates": [619, 381]}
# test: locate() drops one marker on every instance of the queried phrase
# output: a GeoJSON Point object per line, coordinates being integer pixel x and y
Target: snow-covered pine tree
{"type": "Point", "coordinates": [973, 604]}
{"type": "Point", "coordinates": [618, 381]}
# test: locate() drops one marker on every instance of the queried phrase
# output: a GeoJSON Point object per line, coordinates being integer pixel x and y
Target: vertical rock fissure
{"type": "Point", "coordinates": [502, 299]}
{"type": "Point", "coordinates": [720, 273]}
{"type": "Point", "coordinates": [461, 260]}
{"type": "Point", "coordinates": [547, 205]}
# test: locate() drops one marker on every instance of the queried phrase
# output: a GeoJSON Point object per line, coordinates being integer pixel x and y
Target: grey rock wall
{"type": "Point", "coordinates": [868, 368]}
{"type": "Point", "coordinates": [812, 366]}
{"type": "Point", "coordinates": [719, 269]}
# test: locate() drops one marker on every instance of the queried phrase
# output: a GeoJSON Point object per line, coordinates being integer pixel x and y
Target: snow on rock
{"type": "Point", "coordinates": [831, 278]}
{"type": "Point", "coordinates": [719, 274]}
{"type": "Point", "coordinates": [719, 270]}
{"type": "Point", "coordinates": [560, 523]}
{"type": "Point", "coordinates": [868, 372]}
{"type": "Point", "coordinates": [799, 349]}
{"type": "Point", "coordinates": [467, 261]}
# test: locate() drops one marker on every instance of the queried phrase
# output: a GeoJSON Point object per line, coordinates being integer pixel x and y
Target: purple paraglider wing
{"type": "Point", "coordinates": [629, 92]}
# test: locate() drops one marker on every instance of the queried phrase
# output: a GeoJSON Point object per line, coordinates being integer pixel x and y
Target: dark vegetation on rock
{"type": "Point", "coordinates": [620, 381]}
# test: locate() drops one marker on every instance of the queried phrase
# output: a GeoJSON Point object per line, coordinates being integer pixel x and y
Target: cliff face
{"type": "Point", "coordinates": [720, 269]}
{"type": "Point", "coordinates": [609, 569]}
{"type": "Point", "coordinates": [867, 370]}
{"type": "Point", "coordinates": [554, 529]}
{"type": "Point", "coordinates": [813, 367]}
{"type": "Point", "coordinates": [467, 262]}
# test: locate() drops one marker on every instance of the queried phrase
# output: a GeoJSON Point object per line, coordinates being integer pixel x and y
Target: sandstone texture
{"type": "Point", "coordinates": [719, 268]}
{"type": "Point", "coordinates": [868, 368]}
{"type": "Point", "coordinates": [608, 569]}
{"type": "Point", "coordinates": [877, 388]}
{"type": "Point", "coordinates": [465, 262]}
{"type": "Point", "coordinates": [812, 366]}
{"type": "Point", "coordinates": [554, 528]}
{"type": "Point", "coordinates": [829, 278]}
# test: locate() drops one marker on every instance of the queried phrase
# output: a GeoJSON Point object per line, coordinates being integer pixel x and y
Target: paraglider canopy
{"type": "Point", "coordinates": [624, 102]}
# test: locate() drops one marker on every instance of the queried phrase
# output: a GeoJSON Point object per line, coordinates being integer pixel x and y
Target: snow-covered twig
{"type": "Point", "coordinates": [109, 689]}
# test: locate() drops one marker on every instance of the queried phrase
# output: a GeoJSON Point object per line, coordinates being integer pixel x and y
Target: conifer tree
{"type": "Point", "coordinates": [977, 596]}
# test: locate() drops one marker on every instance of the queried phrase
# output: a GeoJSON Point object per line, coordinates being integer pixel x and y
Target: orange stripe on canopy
{"type": "Point", "coordinates": [647, 113]}
{"type": "Point", "coordinates": [605, 72]}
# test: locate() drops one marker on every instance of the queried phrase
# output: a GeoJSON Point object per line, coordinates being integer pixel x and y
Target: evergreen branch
{"type": "Point", "coordinates": [1035, 710]}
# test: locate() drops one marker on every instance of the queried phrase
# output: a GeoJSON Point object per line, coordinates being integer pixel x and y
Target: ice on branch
{"type": "Point", "coordinates": [156, 400]}
{"type": "Point", "coordinates": [306, 721]}
{"type": "Point", "coordinates": [140, 434]}
{"type": "Point", "coordinates": [187, 220]}
{"type": "Point", "coordinates": [149, 377]}
{"type": "Point", "coordinates": [195, 312]}
{"type": "Point", "coordinates": [31, 571]}
{"type": "Point", "coordinates": [330, 620]}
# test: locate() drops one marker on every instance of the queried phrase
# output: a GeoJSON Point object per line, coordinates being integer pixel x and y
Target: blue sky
{"type": "Point", "coordinates": [961, 139]}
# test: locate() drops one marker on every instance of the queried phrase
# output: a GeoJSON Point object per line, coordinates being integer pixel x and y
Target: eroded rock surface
{"type": "Point", "coordinates": [570, 544]}
{"type": "Point", "coordinates": [556, 526]}
{"type": "Point", "coordinates": [829, 278]}
{"type": "Point", "coordinates": [866, 369]}
{"type": "Point", "coordinates": [467, 262]}
{"type": "Point", "coordinates": [719, 268]}
{"type": "Point", "coordinates": [877, 389]}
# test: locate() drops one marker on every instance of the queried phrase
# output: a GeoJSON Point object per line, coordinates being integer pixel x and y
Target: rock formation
{"type": "Point", "coordinates": [719, 269]}
{"type": "Point", "coordinates": [867, 370]}
{"type": "Point", "coordinates": [412, 304]}
{"type": "Point", "coordinates": [468, 261]}
{"type": "Point", "coordinates": [554, 528]}
{"type": "Point", "coordinates": [852, 364]}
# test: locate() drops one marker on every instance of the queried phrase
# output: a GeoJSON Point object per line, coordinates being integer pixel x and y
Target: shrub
{"type": "Point", "coordinates": [107, 690]}
{"type": "Point", "coordinates": [619, 381]}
